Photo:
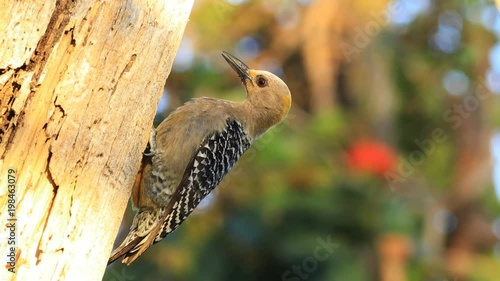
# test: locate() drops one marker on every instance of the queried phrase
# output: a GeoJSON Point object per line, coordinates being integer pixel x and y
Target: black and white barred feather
{"type": "Point", "coordinates": [213, 160]}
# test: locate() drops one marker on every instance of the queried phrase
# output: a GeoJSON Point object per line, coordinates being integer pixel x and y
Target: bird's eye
{"type": "Point", "coordinates": [261, 81]}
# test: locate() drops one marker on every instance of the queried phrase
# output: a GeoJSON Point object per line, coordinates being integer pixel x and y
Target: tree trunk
{"type": "Point", "coordinates": [79, 86]}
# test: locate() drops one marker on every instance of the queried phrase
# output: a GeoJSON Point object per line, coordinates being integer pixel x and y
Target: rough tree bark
{"type": "Point", "coordinates": [79, 85]}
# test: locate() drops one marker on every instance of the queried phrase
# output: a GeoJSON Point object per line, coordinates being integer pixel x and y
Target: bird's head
{"type": "Point", "coordinates": [265, 90]}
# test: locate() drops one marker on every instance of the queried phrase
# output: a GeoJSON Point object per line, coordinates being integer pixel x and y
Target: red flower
{"type": "Point", "coordinates": [371, 156]}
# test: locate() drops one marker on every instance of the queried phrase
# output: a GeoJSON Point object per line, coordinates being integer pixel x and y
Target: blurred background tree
{"type": "Point", "coordinates": [391, 151]}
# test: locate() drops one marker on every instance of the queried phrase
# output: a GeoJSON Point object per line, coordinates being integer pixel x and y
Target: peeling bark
{"type": "Point", "coordinates": [79, 85]}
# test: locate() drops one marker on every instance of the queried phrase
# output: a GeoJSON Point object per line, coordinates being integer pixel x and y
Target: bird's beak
{"type": "Point", "coordinates": [240, 67]}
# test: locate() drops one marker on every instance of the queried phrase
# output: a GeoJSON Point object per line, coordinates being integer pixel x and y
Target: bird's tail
{"type": "Point", "coordinates": [146, 225]}
{"type": "Point", "coordinates": [123, 249]}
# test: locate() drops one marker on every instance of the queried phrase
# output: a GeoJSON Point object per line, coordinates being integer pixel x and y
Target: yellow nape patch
{"type": "Point", "coordinates": [286, 101]}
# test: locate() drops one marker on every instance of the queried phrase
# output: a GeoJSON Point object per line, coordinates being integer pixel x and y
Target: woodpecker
{"type": "Point", "coordinates": [193, 149]}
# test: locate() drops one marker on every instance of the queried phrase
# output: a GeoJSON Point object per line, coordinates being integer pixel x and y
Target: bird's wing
{"type": "Point", "coordinates": [212, 161]}
{"type": "Point", "coordinates": [214, 158]}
